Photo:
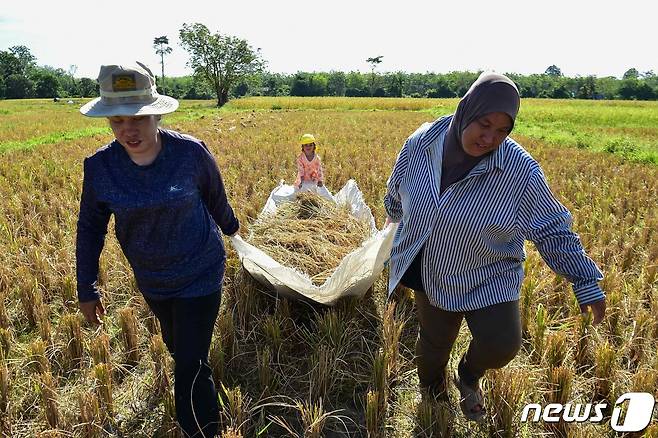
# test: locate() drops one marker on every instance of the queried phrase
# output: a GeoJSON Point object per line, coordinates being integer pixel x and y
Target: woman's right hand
{"type": "Point", "coordinates": [598, 310]}
{"type": "Point", "coordinates": [92, 311]}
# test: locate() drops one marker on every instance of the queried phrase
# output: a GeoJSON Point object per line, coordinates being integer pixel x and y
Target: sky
{"type": "Point", "coordinates": [581, 37]}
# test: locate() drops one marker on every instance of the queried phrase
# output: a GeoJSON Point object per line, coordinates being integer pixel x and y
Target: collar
{"type": "Point", "coordinates": [498, 158]}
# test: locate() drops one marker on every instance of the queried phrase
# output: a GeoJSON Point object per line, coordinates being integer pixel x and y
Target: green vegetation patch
{"type": "Point", "coordinates": [628, 129]}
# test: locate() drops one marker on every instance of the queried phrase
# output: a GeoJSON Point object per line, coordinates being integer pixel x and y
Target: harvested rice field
{"type": "Point", "coordinates": [286, 368]}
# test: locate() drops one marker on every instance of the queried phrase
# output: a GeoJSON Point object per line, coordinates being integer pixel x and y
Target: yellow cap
{"type": "Point", "coordinates": [307, 139]}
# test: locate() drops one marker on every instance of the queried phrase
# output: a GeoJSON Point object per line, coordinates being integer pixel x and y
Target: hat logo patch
{"type": "Point", "coordinates": [124, 82]}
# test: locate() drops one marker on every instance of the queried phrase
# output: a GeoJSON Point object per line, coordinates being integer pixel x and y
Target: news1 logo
{"type": "Point", "coordinates": [639, 409]}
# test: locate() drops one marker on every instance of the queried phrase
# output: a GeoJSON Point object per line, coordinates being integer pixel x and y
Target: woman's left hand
{"type": "Point", "coordinates": [598, 310]}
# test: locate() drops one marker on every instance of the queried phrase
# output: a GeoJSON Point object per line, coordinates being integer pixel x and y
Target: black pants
{"type": "Point", "coordinates": [187, 326]}
{"type": "Point", "coordinates": [496, 332]}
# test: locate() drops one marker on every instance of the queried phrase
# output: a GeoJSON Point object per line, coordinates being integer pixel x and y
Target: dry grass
{"type": "Point", "coordinates": [103, 376]}
{"type": "Point", "coordinates": [310, 234]}
{"type": "Point", "coordinates": [434, 419]}
{"type": "Point", "coordinates": [129, 335]}
{"type": "Point", "coordinates": [71, 333]}
{"type": "Point", "coordinates": [342, 103]}
{"type": "Point", "coordinates": [49, 400]}
{"type": "Point", "coordinates": [160, 356]}
{"type": "Point", "coordinates": [89, 415]}
{"type": "Point", "coordinates": [100, 349]}
{"type": "Point", "coordinates": [5, 383]}
{"type": "Point", "coordinates": [39, 360]}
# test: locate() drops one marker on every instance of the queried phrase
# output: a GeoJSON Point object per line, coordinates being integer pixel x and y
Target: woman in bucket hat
{"type": "Point", "coordinates": [168, 199]}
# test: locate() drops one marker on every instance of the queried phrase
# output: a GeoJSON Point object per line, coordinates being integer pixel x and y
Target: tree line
{"type": "Point", "coordinates": [633, 86]}
{"type": "Point", "coordinates": [226, 67]}
{"type": "Point", "coordinates": [21, 77]}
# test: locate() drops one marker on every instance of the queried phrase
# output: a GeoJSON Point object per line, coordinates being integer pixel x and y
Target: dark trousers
{"type": "Point", "coordinates": [496, 332]}
{"type": "Point", "coordinates": [187, 326]}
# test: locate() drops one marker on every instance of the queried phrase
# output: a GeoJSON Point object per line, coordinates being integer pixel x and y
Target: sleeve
{"type": "Point", "coordinates": [320, 172]}
{"type": "Point", "coordinates": [392, 202]}
{"type": "Point", "coordinates": [213, 194]}
{"type": "Point", "coordinates": [300, 171]}
{"type": "Point", "coordinates": [90, 239]}
{"type": "Point", "coordinates": [546, 222]}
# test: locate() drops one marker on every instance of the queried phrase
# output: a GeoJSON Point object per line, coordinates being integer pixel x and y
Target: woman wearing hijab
{"type": "Point", "coordinates": [466, 197]}
{"type": "Point", "coordinates": [169, 204]}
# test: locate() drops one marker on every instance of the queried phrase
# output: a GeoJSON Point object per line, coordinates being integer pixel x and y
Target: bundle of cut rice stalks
{"type": "Point", "coordinates": [310, 234]}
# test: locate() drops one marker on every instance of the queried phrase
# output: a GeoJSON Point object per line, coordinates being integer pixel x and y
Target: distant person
{"type": "Point", "coordinates": [310, 176]}
{"type": "Point", "coordinates": [466, 197]}
{"type": "Point", "coordinates": [168, 198]}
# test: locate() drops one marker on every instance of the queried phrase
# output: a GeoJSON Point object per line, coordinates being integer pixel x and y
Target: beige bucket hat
{"type": "Point", "coordinates": [128, 91]}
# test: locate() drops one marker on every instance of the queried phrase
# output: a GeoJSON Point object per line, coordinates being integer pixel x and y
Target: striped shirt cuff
{"type": "Point", "coordinates": [588, 292]}
{"type": "Point", "coordinates": [393, 208]}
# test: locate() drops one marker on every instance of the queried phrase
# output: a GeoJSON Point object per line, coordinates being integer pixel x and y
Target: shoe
{"type": "Point", "coordinates": [471, 400]}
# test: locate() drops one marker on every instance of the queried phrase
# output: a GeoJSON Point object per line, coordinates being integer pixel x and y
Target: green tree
{"type": "Point", "coordinates": [553, 70]}
{"type": "Point", "coordinates": [87, 87]}
{"type": "Point", "coordinates": [560, 90]}
{"type": "Point", "coordinates": [336, 83]}
{"type": "Point", "coordinates": [631, 73]}
{"type": "Point", "coordinates": [440, 89]}
{"type": "Point", "coordinates": [68, 84]}
{"type": "Point", "coordinates": [221, 60]}
{"type": "Point", "coordinates": [586, 88]}
{"type": "Point", "coordinates": [651, 79]}
{"type": "Point", "coordinates": [26, 60]}
{"type": "Point", "coordinates": [395, 84]}
{"type": "Point", "coordinates": [308, 84]}
{"type": "Point", "coordinates": [636, 90]}
{"type": "Point", "coordinates": [274, 84]}
{"type": "Point", "coordinates": [374, 62]}
{"type": "Point", "coordinates": [9, 64]}
{"type": "Point", "coordinates": [645, 92]}
{"type": "Point", "coordinates": [46, 84]}
{"type": "Point", "coordinates": [608, 87]}
{"type": "Point", "coordinates": [248, 85]}
{"type": "Point", "coordinates": [355, 85]}
{"type": "Point", "coordinates": [18, 87]}
{"type": "Point", "coordinates": [161, 46]}
{"type": "Point", "coordinates": [460, 82]}
{"type": "Point", "coordinates": [415, 85]}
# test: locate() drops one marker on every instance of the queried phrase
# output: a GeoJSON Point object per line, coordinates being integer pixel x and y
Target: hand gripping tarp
{"type": "Point", "coordinates": [353, 276]}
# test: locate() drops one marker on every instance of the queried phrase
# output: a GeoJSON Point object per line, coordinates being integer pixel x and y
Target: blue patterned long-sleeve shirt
{"type": "Point", "coordinates": [166, 216]}
{"type": "Point", "coordinates": [473, 233]}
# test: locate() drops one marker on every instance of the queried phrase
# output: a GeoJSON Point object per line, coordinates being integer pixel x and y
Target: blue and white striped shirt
{"type": "Point", "coordinates": [474, 231]}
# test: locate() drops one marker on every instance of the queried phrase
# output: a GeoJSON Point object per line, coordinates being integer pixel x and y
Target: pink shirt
{"type": "Point", "coordinates": [308, 171]}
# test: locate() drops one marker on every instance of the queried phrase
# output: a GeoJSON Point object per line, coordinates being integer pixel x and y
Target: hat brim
{"type": "Point", "coordinates": [162, 105]}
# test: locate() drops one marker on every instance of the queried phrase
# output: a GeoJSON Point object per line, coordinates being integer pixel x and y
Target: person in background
{"type": "Point", "coordinates": [310, 176]}
{"type": "Point", "coordinates": [168, 199]}
{"type": "Point", "coordinates": [466, 197]}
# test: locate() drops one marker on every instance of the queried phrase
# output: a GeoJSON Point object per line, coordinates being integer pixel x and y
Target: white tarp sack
{"type": "Point", "coordinates": [354, 275]}
{"type": "Point", "coordinates": [285, 193]}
